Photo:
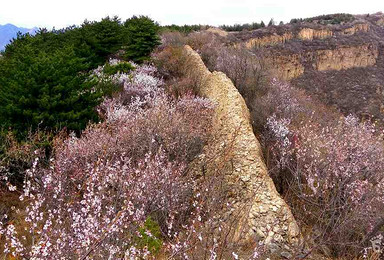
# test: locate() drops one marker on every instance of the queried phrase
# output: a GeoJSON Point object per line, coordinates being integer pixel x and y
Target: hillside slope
{"type": "Point", "coordinates": [340, 64]}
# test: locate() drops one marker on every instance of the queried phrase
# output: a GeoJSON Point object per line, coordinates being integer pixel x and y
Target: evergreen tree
{"type": "Point", "coordinates": [103, 38]}
{"type": "Point", "coordinates": [262, 24]}
{"type": "Point", "coordinates": [46, 90]}
{"type": "Point", "coordinates": [271, 22]}
{"type": "Point", "coordinates": [44, 79]}
{"type": "Point", "coordinates": [141, 38]}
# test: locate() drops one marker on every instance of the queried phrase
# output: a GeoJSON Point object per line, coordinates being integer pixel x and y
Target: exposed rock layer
{"type": "Point", "coordinates": [267, 216]}
{"type": "Point", "coordinates": [323, 48]}
{"type": "Point", "coordinates": [286, 67]}
{"type": "Point", "coordinates": [290, 66]}
{"type": "Point", "coordinates": [305, 33]}
{"type": "Point", "coordinates": [310, 34]}
{"type": "Point", "coordinates": [268, 40]}
{"type": "Point", "coordinates": [346, 57]}
{"type": "Point", "coordinates": [359, 27]}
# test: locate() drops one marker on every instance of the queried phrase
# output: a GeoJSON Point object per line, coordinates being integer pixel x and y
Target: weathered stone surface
{"type": "Point", "coordinates": [268, 216]}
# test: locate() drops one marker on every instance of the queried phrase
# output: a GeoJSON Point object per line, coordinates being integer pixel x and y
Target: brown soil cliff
{"type": "Point", "coordinates": [292, 49]}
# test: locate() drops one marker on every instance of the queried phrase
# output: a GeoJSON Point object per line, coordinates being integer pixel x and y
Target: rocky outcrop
{"type": "Point", "coordinates": [346, 57]}
{"type": "Point", "coordinates": [323, 33]}
{"type": "Point", "coordinates": [310, 34]}
{"type": "Point", "coordinates": [359, 27]}
{"type": "Point", "coordinates": [268, 40]}
{"type": "Point", "coordinates": [290, 66]}
{"type": "Point", "coordinates": [303, 33]}
{"type": "Point", "coordinates": [265, 214]}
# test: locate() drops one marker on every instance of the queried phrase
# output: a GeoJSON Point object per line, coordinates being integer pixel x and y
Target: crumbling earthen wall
{"type": "Point", "coordinates": [268, 216]}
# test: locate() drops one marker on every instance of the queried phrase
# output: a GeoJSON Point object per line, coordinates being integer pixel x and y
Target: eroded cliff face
{"type": "Point", "coordinates": [264, 214]}
{"type": "Point", "coordinates": [323, 33]}
{"type": "Point", "coordinates": [346, 57]}
{"type": "Point", "coordinates": [292, 49]}
{"type": "Point", "coordinates": [359, 27]}
{"type": "Point", "coordinates": [286, 67]}
{"type": "Point", "coordinates": [305, 33]}
{"type": "Point", "coordinates": [290, 66]}
{"type": "Point", "coordinates": [268, 40]}
{"type": "Point", "coordinates": [310, 34]}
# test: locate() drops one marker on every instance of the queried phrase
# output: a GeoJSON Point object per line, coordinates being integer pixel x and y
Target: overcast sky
{"type": "Point", "coordinates": [55, 13]}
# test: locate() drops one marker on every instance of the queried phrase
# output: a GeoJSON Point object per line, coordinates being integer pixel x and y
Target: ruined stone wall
{"type": "Point", "coordinates": [267, 217]}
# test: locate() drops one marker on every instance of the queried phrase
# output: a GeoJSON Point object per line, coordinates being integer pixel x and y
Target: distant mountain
{"type": "Point", "coordinates": [9, 31]}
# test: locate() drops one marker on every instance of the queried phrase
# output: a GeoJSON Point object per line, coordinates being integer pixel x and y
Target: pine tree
{"type": "Point", "coordinates": [44, 79]}
{"type": "Point", "coordinates": [141, 38]}
{"type": "Point", "coordinates": [45, 90]}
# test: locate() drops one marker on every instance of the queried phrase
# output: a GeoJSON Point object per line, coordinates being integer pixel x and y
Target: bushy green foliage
{"type": "Point", "coordinates": [44, 79]}
{"type": "Point", "coordinates": [141, 34]}
{"type": "Point", "coordinates": [150, 236]}
{"type": "Point", "coordinates": [241, 27]}
{"type": "Point", "coordinates": [41, 89]}
{"type": "Point", "coordinates": [123, 67]}
{"type": "Point", "coordinates": [326, 19]}
{"type": "Point", "coordinates": [183, 28]}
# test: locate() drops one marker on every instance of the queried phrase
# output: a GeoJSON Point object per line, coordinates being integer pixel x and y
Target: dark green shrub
{"type": "Point", "coordinates": [123, 67]}
{"type": "Point", "coordinates": [183, 28]}
{"type": "Point", "coordinates": [141, 38]}
{"type": "Point", "coordinates": [46, 90]}
{"type": "Point", "coordinates": [44, 79]}
{"type": "Point", "coordinates": [241, 27]}
{"type": "Point", "coordinates": [153, 241]}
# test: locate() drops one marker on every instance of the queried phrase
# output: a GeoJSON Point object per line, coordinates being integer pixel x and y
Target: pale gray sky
{"type": "Point", "coordinates": [49, 13]}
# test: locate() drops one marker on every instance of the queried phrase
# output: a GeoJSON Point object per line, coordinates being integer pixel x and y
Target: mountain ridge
{"type": "Point", "coordinates": [9, 31]}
